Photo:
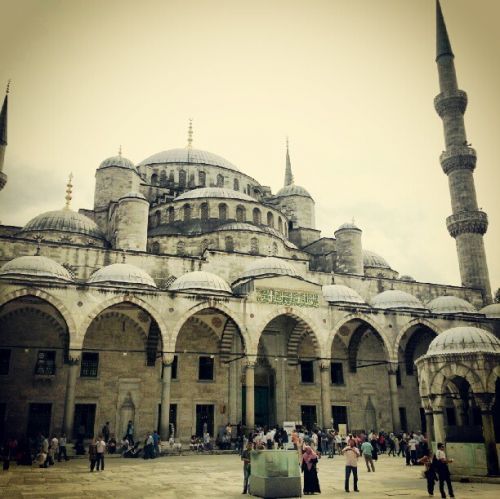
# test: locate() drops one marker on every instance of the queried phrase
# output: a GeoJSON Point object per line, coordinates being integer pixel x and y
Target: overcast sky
{"type": "Point", "coordinates": [351, 82]}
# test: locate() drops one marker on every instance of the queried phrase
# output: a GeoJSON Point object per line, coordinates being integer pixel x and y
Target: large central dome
{"type": "Point", "coordinates": [189, 156]}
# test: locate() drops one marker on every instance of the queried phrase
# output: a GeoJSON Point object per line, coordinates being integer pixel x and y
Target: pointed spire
{"type": "Point", "coordinates": [288, 168]}
{"type": "Point", "coordinates": [3, 117]}
{"type": "Point", "coordinates": [69, 191]}
{"type": "Point", "coordinates": [120, 151]}
{"type": "Point", "coordinates": [443, 46]}
{"type": "Point", "coordinates": [190, 134]}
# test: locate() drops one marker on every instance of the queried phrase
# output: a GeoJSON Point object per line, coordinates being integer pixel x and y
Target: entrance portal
{"type": "Point", "coordinates": [39, 419]}
{"type": "Point", "coordinates": [204, 419]}
{"type": "Point", "coordinates": [84, 420]}
{"type": "Point", "coordinates": [308, 413]}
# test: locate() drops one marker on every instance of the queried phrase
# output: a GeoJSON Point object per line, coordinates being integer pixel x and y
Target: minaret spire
{"type": "Point", "coordinates": [288, 167]}
{"type": "Point", "coordinates": [3, 135]}
{"type": "Point", "coordinates": [467, 224]}
{"type": "Point", "coordinates": [190, 134]}
{"type": "Point", "coordinates": [69, 192]}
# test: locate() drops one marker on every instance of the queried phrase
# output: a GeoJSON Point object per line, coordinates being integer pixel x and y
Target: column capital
{"type": "Point", "coordinates": [392, 368]}
{"type": "Point", "coordinates": [437, 403]}
{"type": "Point", "coordinates": [250, 363]}
{"type": "Point", "coordinates": [324, 365]}
{"type": "Point", "coordinates": [74, 357]}
{"type": "Point", "coordinates": [167, 359]}
{"type": "Point", "coordinates": [485, 401]}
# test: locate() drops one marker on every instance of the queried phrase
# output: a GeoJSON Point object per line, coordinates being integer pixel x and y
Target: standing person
{"type": "Point", "coordinates": [106, 432]}
{"type": "Point", "coordinates": [101, 448]}
{"type": "Point", "coordinates": [443, 470]}
{"type": "Point", "coordinates": [62, 448]}
{"type": "Point", "coordinates": [331, 443]}
{"type": "Point", "coordinates": [367, 450]}
{"type": "Point", "coordinates": [351, 454]}
{"type": "Point", "coordinates": [92, 454]}
{"type": "Point", "coordinates": [45, 451]}
{"type": "Point", "coordinates": [245, 457]}
{"type": "Point", "coordinates": [309, 461]}
{"type": "Point", "coordinates": [156, 443]}
{"type": "Point", "coordinates": [53, 450]}
{"type": "Point", "coordinates": [430, 470]}
{"type": "Point", "coordinates": [130, 432]}
{"type": "Point", "coordinates": [412, 444]}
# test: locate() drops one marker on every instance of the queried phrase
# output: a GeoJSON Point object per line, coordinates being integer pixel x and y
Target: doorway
{"type": "Point", "coordinates": [39, 419]}
{"type": "Point", "coordinates": [204, 419]}
{"type": "Point", "coordinates": [308, 413]}
{"type": "Point", "coordinates": [84, 420]}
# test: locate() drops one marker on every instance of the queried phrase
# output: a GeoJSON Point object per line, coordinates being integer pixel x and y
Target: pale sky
{"type": "Point", "coordinates": [351, 82]}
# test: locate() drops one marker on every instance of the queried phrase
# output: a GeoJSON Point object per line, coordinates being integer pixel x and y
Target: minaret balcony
{"type": "Point", "coordinates": [458, 158]}
{"type": "Point", "coordinates": [3, 180]}
{"type": "Point", "coordinates": [446, 103]}
{"type": "Point", "coordinates": [467, 222]}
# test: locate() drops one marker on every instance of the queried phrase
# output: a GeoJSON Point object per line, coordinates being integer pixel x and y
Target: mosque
{"type": "Point", "coordinates": [192, 295]}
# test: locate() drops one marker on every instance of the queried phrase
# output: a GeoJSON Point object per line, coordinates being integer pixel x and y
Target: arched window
{"type": "Point", "coordinates": [204, 211]}
{"type": "Point", "coordinates": [249, 189]}
{"type": "Point", "coordinates": [240, 213]}
{"type": "Point", "coordinates": [187, 212]}
{"type": "Point", "coordinates": [171, 215]}
{"type": "Point", "coordinates": [155, 248]}
{"type": "Point", "coordinates": [254, 246]}
{"type": "Point", "coordinates": [236, 184]}
{"type": "Point", "coordinates": [220, 180]}
{"type": "Point", "coordinates": [171, 177]}
{"type": "Point", "coordinates": [182, 178]}
{"type": "Point", "coordinates": [270, 219]}
{"type": "Point", "coordinates": [205, 244]}
{"type": "Point", "coordinates": [157, 218]}
{"type": "Point", "coordinates": [202, 179]}
{"type": "Point", "coordinates": [181, 247]}
{"type": "Point", "coordinates": [280, 225]}
{"type": "Point", "coordinates": [274, 249]}
{"type": "Point", "coordinates": [223, 211]}
{"type": "Point", "coordinates": [257, 216]}
{"type": "Point", "coordinates": [154, 179]}
{"type": "Point", "coordinates": [191, 180]}
{"type": "Point", "coordinates": [229, 243]}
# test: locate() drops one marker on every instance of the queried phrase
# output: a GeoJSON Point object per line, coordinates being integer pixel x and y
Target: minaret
{"type": "Point", "coordinates": [288, 167]}
{"type": "Point", "coordinates": [467, 224]}
{"type": "Point", "coordinates": [3, 136]}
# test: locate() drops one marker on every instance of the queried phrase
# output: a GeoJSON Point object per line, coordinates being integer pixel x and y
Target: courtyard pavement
{"type": "Point", "coordinates": [218, 476]}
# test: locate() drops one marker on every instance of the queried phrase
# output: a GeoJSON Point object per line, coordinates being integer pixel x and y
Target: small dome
{"type": "Point", "coordinates": [39, 267]}
{"type": "Point", "coordinates": [269, 266]}
{"type": "Point", "coordinates": [64, 220]}
{"type": "Point", "coordinates": [133, 195]}
{"type": "Point", "coordinates": [201, 281]}
{"type": "Point", "coordinates": [189, 156]}
{"type": "Point", "coordinates": [121, 274]}
{"type": "Point", "coordinates": [292, 190]}
{"type": "Point", "coordinates": [393, 298]}
{"type": "Point", "coordinates": [492, 311]}
{"type": "Point", "coordinates": [118, 161]}
{"type": "Point", "coordinates": [450, 305]}
{"type": "Point", "coordinates": [214, 192]}
{"type": "Point", "coordinates": [348, 226]}
{"type": "Point", "coordinates": [371, 259]}
{"type": "Point", "coordinates": [337, 293]}
{"type": "Point", "coordinates": [407, 278]}
{"type": "Point", "coordinates": [464, 339]}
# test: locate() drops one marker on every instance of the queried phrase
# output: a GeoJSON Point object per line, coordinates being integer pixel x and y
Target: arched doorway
{"type": "Point", "coordinates": [34, 344]}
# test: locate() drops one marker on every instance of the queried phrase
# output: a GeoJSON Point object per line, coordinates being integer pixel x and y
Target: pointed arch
{"type": "Point", "coordinates": [454, 370]}
{"type": "Point", "coordinates": [419, 321]}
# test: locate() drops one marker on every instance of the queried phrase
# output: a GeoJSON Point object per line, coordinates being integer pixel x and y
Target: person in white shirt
{"type": "Point", "coordinates": [443, 470]}
{"type": "Point", "coordinates": [412, 444]}
{"type": "Point", "coordinates": [101, 448]}
{"type": "Point", "coordinates": [351, 453]}
{"type": "Point", "coordinates": [62, 448]}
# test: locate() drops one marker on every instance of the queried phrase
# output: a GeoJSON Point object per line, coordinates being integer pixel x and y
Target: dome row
{"type": "Point", "coordinates": [117, 274]}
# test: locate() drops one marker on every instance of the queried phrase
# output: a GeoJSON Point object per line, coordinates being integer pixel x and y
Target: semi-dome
{"type": "Point", "coordinates": [214, 192]}
{"type": "Point", "coordinates": [464, 339]}
{"type": "Point", "coordinates": [269, 266]}
{"type": "Point", "coordinates": [133, 195]}
{"type": "Point", "coordinates": [118, 161]}
{"type": "Point", "coordinates": [39, 267]}
{"type": "Point", "coordinates": [394, 298]}
{"type": "Point", "coordinates": [201, 281]}
{"type": "Point", "coordinates": [64, 220]}
{"type": "Point", "coordinates": [372, 259]}
{"type": "Point", "coordinates": [292, 190]}
{"type": "Point", "coordinates": [122, 274]}
{"type": "Point", "coordinates": [492, 311]}
{"type": "Point", "coordinates": [338, 293]}
{"type": "Point", "coordinates": [450, 305]}
{"type": "Point", "coordinates": [188, 156]}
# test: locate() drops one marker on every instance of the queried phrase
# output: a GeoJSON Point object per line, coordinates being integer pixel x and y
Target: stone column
{"type": "Point", "coordinates": [73, 364]}
{"type": "Point", "coordinates": [430, 424]}
{"type": "Point", "coordinates": [250, 394]}
{"type": "Point", "coordinates": [485, 402]}
{"type": "Point", "coordinates": [459, 411]}
{"type": "Point", "coordinates": [165, 399]}
{"type": "Point", "coordinates": [438, 420]}
{"type": "Point", "coordinates": [393, 390]}
{"type": "Point", "coordinates": [326, 404]}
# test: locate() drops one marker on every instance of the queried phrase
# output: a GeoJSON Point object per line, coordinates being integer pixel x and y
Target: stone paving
{"type": "Point", "coordinates": [197, 475]}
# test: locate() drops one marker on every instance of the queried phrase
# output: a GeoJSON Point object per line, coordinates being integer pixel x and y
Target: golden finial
{"type": "Point", "coordinates": [7, 90]}
{"type": "Point", "coordinates": [190, 134]}
{"type": "Point", "coordinates": [120, 151]}
{"type": "Point", "coordinates": [69, 191]}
